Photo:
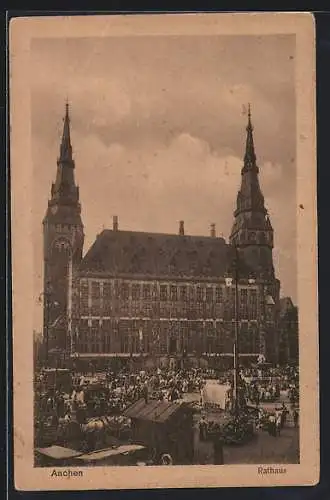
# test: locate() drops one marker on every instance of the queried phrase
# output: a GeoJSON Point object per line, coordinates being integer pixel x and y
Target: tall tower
{"type": "Point", "coordinates": [252, 232]}
{"type": "Point", "coordinates": [252, 235]}
{"type": "Point", "coordinates": [63, 234]}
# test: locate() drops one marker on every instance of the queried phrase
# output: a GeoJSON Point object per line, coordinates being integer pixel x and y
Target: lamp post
{"type": "Point", "coordinates": [267, 304]}
{"type": "Point", "coordinates": [269, 326]}
{"type": "Point", "coordinates": [236, 340]}
{"type": "Point", "coordinates": [130, 348]}
{"type": "Point", "coordinates": [69, 309]}
{"type": "Point", "coordinates": [251, 281]}
{"type": "Point", "coordinates": [155, 346]}
{"type": "Point", "coordinates": [229, 282]}
{"type": "Point", "coordinates": [46, 326]}
{"type": "Point", "coordinates": [141, 345]}
{"type": "Point", "coordinates": [75, 361]}
{"type": "Point", "coordinates": [235, 273]}
{"type": "Point", "coordinates": [48, 305]}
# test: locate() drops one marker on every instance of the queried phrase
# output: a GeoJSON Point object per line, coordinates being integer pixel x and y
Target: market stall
{"type": "Point", "coordinates": [166, 428]}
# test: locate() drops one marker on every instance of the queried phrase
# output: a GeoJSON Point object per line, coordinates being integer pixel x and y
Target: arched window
{"type": "Point", "coordinates": [252, 236]}
{"type": "Point", "coordinates": [262, 237]}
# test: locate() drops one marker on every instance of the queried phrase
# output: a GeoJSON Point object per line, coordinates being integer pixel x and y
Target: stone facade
{"type": "Point", "coordinates": [168, 317]}
{"type": "Point", "coordinates": [160, 297]}
{"type": "Point", "coordinates": [288, 332]}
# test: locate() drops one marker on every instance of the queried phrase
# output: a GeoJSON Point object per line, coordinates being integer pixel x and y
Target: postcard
{"type": "Point", "coordinates": [164, 251]}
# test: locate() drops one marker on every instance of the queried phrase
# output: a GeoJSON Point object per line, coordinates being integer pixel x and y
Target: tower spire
{"type": "Point", "coordinates": [252, 231]}
{"type": "Point", "coordinates": [250, 156]}
{"type": "Point", "coordinates": [64, 189]}
{"type": "Point", "coordinates": [63, 233]}
{"type": "Point", "coordinates": [66, 148]}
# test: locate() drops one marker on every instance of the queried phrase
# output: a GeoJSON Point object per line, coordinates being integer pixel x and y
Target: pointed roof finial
{"type": "Point", "coordinates": [250, 157]}
{"type": "Point", "coordinates": [249, 125]}
{"type": "Point", "coordinates": [67, 107]}
{"type": "Point", "coordinates": [66, 149]}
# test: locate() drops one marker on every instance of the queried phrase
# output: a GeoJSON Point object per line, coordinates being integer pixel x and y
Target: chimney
{"type": "Point", "coordinates": [213, 231]}
{"type": "Point", "coordinates": [115, 223]}
{"type": "Point", "coordinates": [181, 228]}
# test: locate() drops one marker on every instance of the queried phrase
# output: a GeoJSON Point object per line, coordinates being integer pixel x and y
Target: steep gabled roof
{"type": "Point", "coordinates": [156, 254]}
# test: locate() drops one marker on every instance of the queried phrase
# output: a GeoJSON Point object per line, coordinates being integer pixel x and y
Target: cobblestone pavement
{"type": "Point", "coordinates": [263, 449]}
{"type": "Point", "coordinates": [266, 449]}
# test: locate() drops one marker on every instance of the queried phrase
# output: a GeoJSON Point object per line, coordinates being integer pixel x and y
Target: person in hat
{"type": "Point", "coordinates": [272, 425]}
{"type": "Point", "coordinates": [202, 428]}
{"type": "Point", "coordinates": [278, 422]}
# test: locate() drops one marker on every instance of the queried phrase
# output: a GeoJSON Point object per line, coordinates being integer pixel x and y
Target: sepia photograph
{"type": "Point", "coordinates": [168, 207]}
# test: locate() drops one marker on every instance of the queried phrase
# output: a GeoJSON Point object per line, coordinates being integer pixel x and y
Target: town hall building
{"type": "Point", "coordinates": [158, 297]}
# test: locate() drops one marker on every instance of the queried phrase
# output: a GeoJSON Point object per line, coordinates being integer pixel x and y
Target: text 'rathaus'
{"type": "Point", "coordinates": [160, 299]}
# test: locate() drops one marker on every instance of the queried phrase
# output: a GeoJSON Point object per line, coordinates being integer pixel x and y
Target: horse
{"type": "Point", "coordinates": [103, 430]}
{"type": "Point", "coordinates": [97, 424]}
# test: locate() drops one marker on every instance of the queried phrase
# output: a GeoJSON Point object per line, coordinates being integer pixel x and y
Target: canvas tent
{"type": "Point", "coordinates": [215, 395]}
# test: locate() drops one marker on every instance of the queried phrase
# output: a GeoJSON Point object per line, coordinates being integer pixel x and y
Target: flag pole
{"type": "Point", "coordinates": [47, 307]}
{"type": "Point", "coordinates": [69, 333]}
{"type": "Point", "coordinates": [236, 341]}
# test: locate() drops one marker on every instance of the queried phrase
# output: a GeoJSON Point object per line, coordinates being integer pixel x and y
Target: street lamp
{"type": "Point", "coordinates": [229, 282]}
{"type": "Point", "coordinates": [236, 341]}
{"type": "Point", "coordinates": [155, 346]}
{"type": "Point", "coordinates": [267, 303]}
{"type": "Point", "coordinates": [141, 344]}
{"type": "Point", "coordinates": [269, 310]}
{"type": "Point", "coordinates": [235, 271]}
{"type": "Point", "coordinates": [130, 349]}
{"type": "Point", "coordinates": [48, 305]}
{"type": "Point", "coordinates": [75, 360]}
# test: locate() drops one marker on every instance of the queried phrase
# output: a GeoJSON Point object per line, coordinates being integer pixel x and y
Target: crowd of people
{"type": "Point", "coordinates": [266, 384]}
{"type": "Point", "coordinates": [261, 392]}
{"type": "Point", "coordinates": [96, 396]}
{"type": "Point", "coordinates": [109, 394]}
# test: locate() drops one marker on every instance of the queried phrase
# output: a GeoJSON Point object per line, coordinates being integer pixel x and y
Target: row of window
{"type": "Point", "coordinates": [63, 228]}
{"type": "Point", "coordinates": [126, 291]}
{"type": "Point", "coordinates": [170, 345]}
{"type": "Point", "coordinates": [166, 337]}
{"type": "Point", "coordinates": [150, 310]}
{"type": "Point", "coordinates": [255, 236]}
{"type": "Point", "coordinates": [106, 303]}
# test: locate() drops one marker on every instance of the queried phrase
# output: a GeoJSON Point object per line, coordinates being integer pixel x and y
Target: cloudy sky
{"type": "Point", "coordinates": [158, 132]}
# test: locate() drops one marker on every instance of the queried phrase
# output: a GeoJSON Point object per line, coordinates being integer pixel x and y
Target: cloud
{"type": "Point", "coordinates": [128, 89]}
{"type": "Point", "coordinates": [158, 132]}
{"type": "Point", "coordinates": [103, 102]}
{"type": "Point", "coordinates": [151, 189]}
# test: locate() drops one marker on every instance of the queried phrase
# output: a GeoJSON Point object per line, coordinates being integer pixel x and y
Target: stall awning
{"type": "Point", "coordinates": [215, 394]}
{"type": "Point", "coordinates": [110, 452]}
{"type": "Point", "coordinates": [58, 452]}
{"type": "Point", "coordinates": [153, 411]}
